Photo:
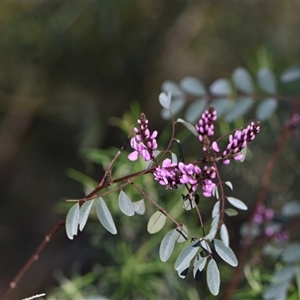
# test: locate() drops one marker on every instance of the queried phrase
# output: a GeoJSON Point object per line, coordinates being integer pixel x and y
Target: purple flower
{"type": "Point", "coordinates": [189, 175]}
{"type": "Point", "coordinates": [237, 142]}
{"type": "Point", "coordinates": [167, 174]}
{"type": "Point", "coordinates": [144, 142]}
{"type": "Point", "coordinates": [205, 126]}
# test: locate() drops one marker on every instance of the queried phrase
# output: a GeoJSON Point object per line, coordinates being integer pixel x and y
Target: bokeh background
{"type": "Point", "coordinates": [66, 68]}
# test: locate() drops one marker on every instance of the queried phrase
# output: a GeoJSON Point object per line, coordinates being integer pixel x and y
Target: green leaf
{"type": "Point", "coordinates": [221, 106]}
{"type": "Point", "coordinates": [194, 110]}
{"type": "Point", "coordinates": [171, 86]}
{"type": "Point", "coordinates": [243, 80]}
{"type": "Point", "coordinates": [231, 212]}
{"type": "Point", "coordinates": [193, 86]}
{"type": "Point", "coordinates": [213, 277]}
{"type": "Point", "coordinates": [72, 221]}
{"type": "Point", "coordinates": [229, 184]}
{"type": "Point", "coordinates": [266, 108]}
{"type": "Point", "coordinates": [239, 109]}
{"type": "Point", "coordinates": [181, 233]}
{"type": "Point", "coordinates": [186, 255]}
{"type": "Point", "coordinates": [224, 235]}
{"type": "Point", "coordinates": [84, 213]}
{"type": "Point", "coordinates": [156, 222]}
{"type": "Point", "coordinates": [125, 204]}
{"type": "Point", "coordinates": [220, 87]}
{"type": "Point", "coordinates": [225, 253]}
{"type": "Point", "coordinates": [291, 74]}
{"type": "Point", "coordinates": [139, 207]}
{"type": "Point", "coordinates": [189, 126]}
{"type": "Point", "coordinates": [167, 245]}
{"type": "Point", "coordinates": [237, 203]}
{"type": "Point", "coordinates": [165, 100]}
{"type": "Point", "coordinates": [291, 253]}
{"type": "Point", "coordinates": [105, 216]}
{"type": "Point", "coordinates": [175, 107]}
{"type": "Point", "coordinates": [266, 80]}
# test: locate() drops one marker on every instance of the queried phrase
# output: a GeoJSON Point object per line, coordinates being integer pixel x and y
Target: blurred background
{"type": "Point", "coordinates": [67, 68]}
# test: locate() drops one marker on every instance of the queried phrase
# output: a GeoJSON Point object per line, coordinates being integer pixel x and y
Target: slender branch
{"type": "Point", "coordinates": [236, 278]}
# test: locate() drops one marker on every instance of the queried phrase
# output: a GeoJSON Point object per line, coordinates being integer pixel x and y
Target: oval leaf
{"type": "Point", "coordinates": [193, 86]}
{"type": "Point", "coordinates": [167, 245]}
{"type": "Point", "coordinates": [213, 277]}
{"type": "Point", "coordinates": [243, 80]}
{"type": "Point", "coordinates": [175, 107]}
{"type": "Point", "coordinates": [139, 207]}
{"type": "Point", "coordinates": [125, 204]}
{"type": "Point", "coordinates": [239, 109]}
{"type": "Point", "coordinates": [229, 184]}
{"type": "Point", "coordinates": [231, 212]}
{"type": "Point", "coordinates": [171, 86]}
{"type": "Point", "coordinates": [181, 233]}
{"type": "Point", "coordinates": [225, 253]}
{"type": "Point", "coordinates": [220, 87]}
{"type": "Point", "coordinates": [84, 213]}
{"type": "Point", "coordinates": [224, 235]}
{"type": "Point", "coordinates": [221, 106]}
{"type": "Point", "coordinates": [72, 221]}
{"type": "Point", "coordinates": [105, 216]}
{"type": "Point", "coordinates": [237, 203]}
{"type": "Point", "coordinates": [156, 222]}
{"type": "Point", "coordinates": [291, 74]}
{"type": "Point", "coordinates": [194, 110]}
{"type": "Point", "coordinates": [266, 80]}
{"type": "Point", "coordinates": [291, 254]}
{"type": "Point", "coordinates": [266, 108]}
{"type": "Point", "coordinates": [165, 100]}
{"type": "Point", "coordinates": [189, 126]}
{"type": "Point", "coordinates": [186, 255]}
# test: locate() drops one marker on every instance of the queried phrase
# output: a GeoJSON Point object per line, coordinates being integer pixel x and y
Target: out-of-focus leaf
{"type": "Point", "coordinates": [239, 109]}
{"type": "Point", "coordinates": [237, 203]}
{"type": "Point", "coordinates": [193, 86]}
{"type": "Point", "coordinates": [194, 110]}
{"type": "Point", "coordinates": [84, 213]}
{"type": "Point", "coordinates": [291, 209]}
{"type": "Point", "coordinates": [225, 253]}
{"type": "Point", "coordinates": [165, 100]}
{"type": "Point", "coordinates": [220, 87]}
{"type": "Point", "coordinates": [243, 80]}
{"type": "Point", "coordinates": [266, 108]}
{"type": "Point", "coordinates": [105, 216]}
{"type": "Point", "coordinates": [213, 277]}
{"type": "Point", "coordinates": [291, 253]}
{"type": "Point", "coordinates": [221, 106]}
{"type": "Point", "coordinates": [125, 204]}
{"type": "Point", "coordinates": [186, 255]}
{"type": "Point", "coordinates": [139, 207]}
{"type": "Point", "coordinates": [266, 80]}
{"type": "Point", "coordinates": [72, 221]}
{"type": "Point", "coordinates": [175, 107]}
{"type": "Point", "coordinates": [156, 222]}
{"type": "Point", "coordinates": [171, 86]}
{"type": "Point", "coordinates": [291, 74]}
{"type": "Point", "coordinates": [167, 245]}
{"type": "Point", "coordinates": [277, 291]}
{"type": "Point", "coordinates": [189, 126]}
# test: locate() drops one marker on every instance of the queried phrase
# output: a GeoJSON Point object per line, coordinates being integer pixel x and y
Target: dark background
{"type": "Point", "coordinates": [66, 68]}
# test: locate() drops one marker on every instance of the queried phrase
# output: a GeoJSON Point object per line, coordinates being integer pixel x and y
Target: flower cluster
{"type": "Point", "coordinates": [205, 126]}
{"type": "Point", "coordinates": [144, 142]}
{"type": "Point", "coordinates": [171, 175]}
{"type": "Point", "coordinates": [237, 142]}
{"type": "Point", "coordinates": [264, 216]}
